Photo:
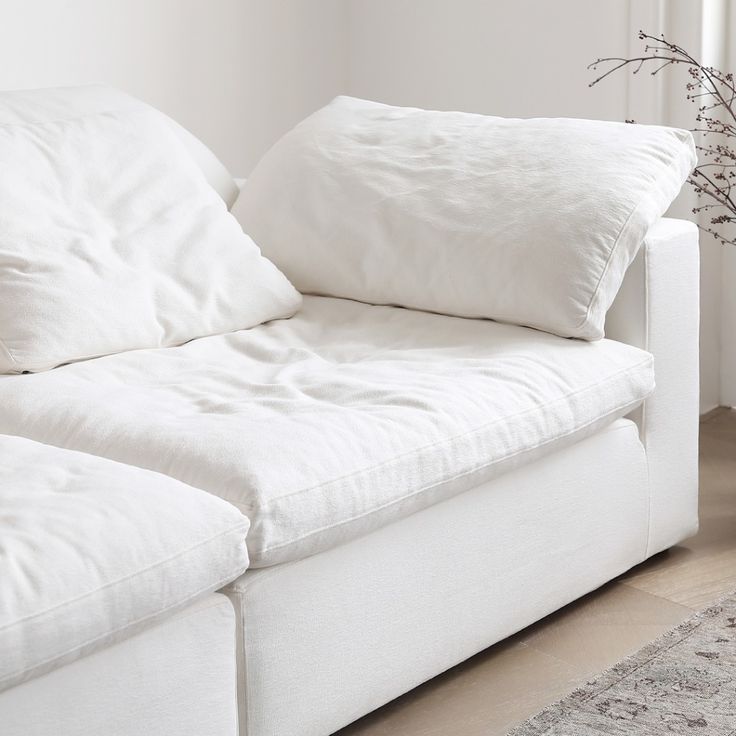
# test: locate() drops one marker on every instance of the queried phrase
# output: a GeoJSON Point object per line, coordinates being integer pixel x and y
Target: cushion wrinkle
{"type": "Point", "coordinates": [505, 419]}
{"type": "Point", "coordinates": [92, 264]}
{"type": "Point", "coordinates": [69, 119]}
{"type": "Point", "coordinates": [8, 353]}
{"type": "Point", "coordinates": [620, 411]}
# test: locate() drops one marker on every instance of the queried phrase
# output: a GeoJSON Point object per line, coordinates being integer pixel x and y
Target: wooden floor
{"type": "Point", "coordinates": [511, 681]}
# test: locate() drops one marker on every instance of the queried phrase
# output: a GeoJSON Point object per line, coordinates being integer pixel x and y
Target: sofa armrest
{"type": "Point", "coordinates": [657, 309]}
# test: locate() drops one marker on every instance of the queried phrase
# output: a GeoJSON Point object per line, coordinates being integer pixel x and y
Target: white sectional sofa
{"type": "Point", "coordinates": [411, 487]}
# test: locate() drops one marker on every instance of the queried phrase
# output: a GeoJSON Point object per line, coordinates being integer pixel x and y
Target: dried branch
{"type": "Point", "coordinates": [715, 93]}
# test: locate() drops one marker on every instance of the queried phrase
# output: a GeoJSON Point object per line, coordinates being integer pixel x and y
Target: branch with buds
{"type": "Point", "coordinates": [715, 94]}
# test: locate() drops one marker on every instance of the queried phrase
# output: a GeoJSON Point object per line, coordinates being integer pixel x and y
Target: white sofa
{"type": "Point", "coordinates": [549, 467]}
{"type": "Point", "coordinates": [324, 639]}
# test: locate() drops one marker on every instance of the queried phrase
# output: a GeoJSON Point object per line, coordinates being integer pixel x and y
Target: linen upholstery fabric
{"type": "Point", "coordinates": [326, 639]}
{"type": "Point", "coordinates": [111, 240]}
{"type": "Point", "coordinates": [59, 103]}
{"type": "Point", "coordinates": [176, 678]}
{"type": "Point", "coordinates": [531, 222]}
{"type": "Point", "coordinates": [338, 421]}
{"type": "Point", "coordinates": [92, 551]}
{"type": "Point", "coordinates": [658, 309]}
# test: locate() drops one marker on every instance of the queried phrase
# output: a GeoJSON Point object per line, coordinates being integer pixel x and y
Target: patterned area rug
{"type": "Point", "coordinates": [682, 683]}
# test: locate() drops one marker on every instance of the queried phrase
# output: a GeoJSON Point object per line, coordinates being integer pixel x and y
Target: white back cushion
{"type": "Point", "coordinates": [44, 105]}
{"type": "Point", "coordinates": [532, 222]}
{"type": "Point", "coordinates": [111, 239]}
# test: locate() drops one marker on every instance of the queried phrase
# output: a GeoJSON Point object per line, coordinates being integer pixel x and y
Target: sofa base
{"type": "Point", "coordinates": [175, 679]}
{"type": "Point", "coordinates": [327, 639]}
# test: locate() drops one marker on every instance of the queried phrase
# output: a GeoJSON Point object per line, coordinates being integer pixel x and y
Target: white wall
{"type": "Point", "coordinates": [523, 58]}
{"type": "Point", "coordinates": [238, 73]}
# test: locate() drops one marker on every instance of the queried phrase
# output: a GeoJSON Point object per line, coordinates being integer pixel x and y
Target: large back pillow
{"type": "Point", "coordinates": [56, 103]}
{"type": "Point", "coordinates": [112, 239]}
{"type": "Point", "coordinates": [532, 222]}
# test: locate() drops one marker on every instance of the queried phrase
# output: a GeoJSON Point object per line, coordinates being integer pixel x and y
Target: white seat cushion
{"type": "Point", "coordinates": [92, 551]}
{"type": "Point", "coordinates": [340, 420]}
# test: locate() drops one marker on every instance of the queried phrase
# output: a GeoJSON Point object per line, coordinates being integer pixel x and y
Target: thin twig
{"type": "Point", "coordinates": [713, 178]}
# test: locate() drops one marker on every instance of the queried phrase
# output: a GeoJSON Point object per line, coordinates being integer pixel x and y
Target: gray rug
{"type": "Point", "coordinates": [682, 683]}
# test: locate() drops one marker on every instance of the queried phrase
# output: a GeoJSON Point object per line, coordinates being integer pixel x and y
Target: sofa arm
{"type": "Point", "coordinates": [657, 309]}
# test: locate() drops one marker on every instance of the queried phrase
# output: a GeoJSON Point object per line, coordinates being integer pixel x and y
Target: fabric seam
{"type": "Point", "coordinates": [475, 430]}
{"type": "Point", "coordinates": [644, 413]}
{"type": "Point", "coordinates": [607, 264]}
{"type": "Point", "coordinates": [96, 113]}
{"type": "Point", "coordinates": [672, 158]}
{"type": "Point", "coordinates": [118, 581]}
{"type": "Point", "coordinates": [623, 407]}
{"type": "Point", "coordinates": [265, 573]}
{"type": "Point", "coordinates": [143, 619]}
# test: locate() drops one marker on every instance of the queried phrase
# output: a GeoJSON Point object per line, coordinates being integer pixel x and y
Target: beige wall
{"type": "Point", "coordinates": [238, 73]}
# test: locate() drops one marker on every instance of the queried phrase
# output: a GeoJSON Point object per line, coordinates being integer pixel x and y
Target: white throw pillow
{"type": "Point", "coordinates": [111, 239]}
{"type": "Point", "coordinates": [55, 103]}
{"type": "Point", "coordinates": [532, 222]}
